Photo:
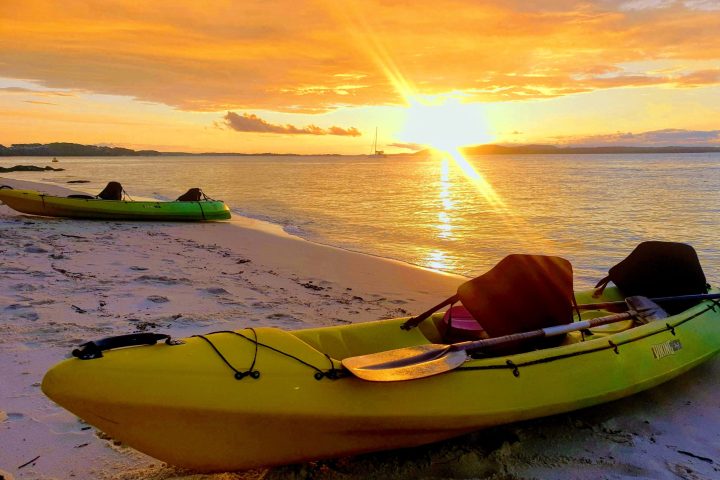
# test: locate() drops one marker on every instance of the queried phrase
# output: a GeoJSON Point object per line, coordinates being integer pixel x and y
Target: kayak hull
{"type": "Point", "coordinates": [184, 405]}
{"type": "Point", "coordinates": [36, 203]}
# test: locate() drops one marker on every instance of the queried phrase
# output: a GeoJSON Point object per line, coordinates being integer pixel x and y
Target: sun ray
{"type": "Point", "coordinates": [443, 123]}
{"type": "Point", "coordinates": [478, 180]}
{"type": "Point", "coordinates": [367, 41]}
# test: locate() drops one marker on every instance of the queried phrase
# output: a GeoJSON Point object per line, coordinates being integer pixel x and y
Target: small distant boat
{"type": "Point", "coordinates": [97, 207]}
{"type": "Point", "coordinates": [375, 152]}
{"type": "Point", "coordinates": [55, 160]}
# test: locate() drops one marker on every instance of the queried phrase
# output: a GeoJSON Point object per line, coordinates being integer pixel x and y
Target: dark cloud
{"type": "Point", "coordinates": [248, 122]}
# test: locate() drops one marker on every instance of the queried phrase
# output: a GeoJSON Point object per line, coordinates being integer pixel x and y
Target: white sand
{"type": "Point", "coordinates": [66, 281]}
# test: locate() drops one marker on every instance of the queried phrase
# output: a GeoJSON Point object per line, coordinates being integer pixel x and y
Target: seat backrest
{"type": "Point", "coordinates": [521, 293]}
{"type": "Point", "coordinates": [659, 269]}
{"type": "Point", "coordinates": [113, 191]}
{"type": "Point", "coordinates": [192, 195]}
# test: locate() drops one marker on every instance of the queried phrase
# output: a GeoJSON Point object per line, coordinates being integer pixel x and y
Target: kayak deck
{"type": "Point", "coordinates": [227, 400]}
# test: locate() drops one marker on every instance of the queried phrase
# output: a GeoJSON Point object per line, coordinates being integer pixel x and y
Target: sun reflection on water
{"type": "Point", "coordinates": [445, 222]}
{"type": "Point", "coordinates": [437, 259]}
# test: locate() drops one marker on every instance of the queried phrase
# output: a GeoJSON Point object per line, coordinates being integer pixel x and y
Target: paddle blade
{"type": "Point", "coordinates": [408, 363]}
{"type": "Point", "coordinates": [645, 309]}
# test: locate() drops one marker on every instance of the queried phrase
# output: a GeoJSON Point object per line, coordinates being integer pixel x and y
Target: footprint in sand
{"type": "Point", "coordinates": [32, 316]}
{"type": "Point", "coordinates": [282, 316]}
{"type": "Point", "coordinates": [162, 279]}
{"type": "Point", "coordinates": [215, 291]}
{"type": "Point", "coordinates": [16, 306]}
{"type": "Point", "coordinates": [158, 299]}
{"type": "Point", "coordinates": [34, 249]}
{"type": "Point", "coordinates": [25, 312]}
{"type": "Point", "coordinates": [262, 305]}
{"type": "Point", "coordinates": [9, 269]}
{"type": "Point", "coordinates": [311, 286]}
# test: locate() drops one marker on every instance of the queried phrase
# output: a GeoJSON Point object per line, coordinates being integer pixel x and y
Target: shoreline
{"type": "Point", "coordinates": [275, 238]}
{"type": "Point", "coordinates": [65, 281]}
{"type": "Point", "coordinates": [66, 149]}
{"type": "Point", "coordinates": [239, 219]}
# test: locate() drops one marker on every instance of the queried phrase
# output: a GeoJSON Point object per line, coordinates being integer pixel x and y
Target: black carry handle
{"type": "Point", "coordinates": [415, 321]}
{"type": "Point", "coordinates": [94, 349]}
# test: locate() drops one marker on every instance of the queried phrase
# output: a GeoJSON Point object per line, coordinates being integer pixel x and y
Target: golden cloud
{"type": "Point", "coordinates": [317, 56]}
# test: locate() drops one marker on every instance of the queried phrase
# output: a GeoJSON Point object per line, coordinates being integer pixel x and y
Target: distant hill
{"type": "Point", "coordinates": [78, 150]}
{"type": "Point", "coordinates": [69, 150]}
{"type": "Point", "coordinates": [544, 149]}
{"type": "Point", "coordinates": [63, 149]}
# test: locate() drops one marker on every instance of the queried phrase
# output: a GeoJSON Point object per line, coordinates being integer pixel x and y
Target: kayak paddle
{"type": "Point", "coordinates": [421, 361]}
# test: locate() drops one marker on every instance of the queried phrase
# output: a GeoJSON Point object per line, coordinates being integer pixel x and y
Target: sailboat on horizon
{"type": "Point", "coordinates": [375, 152]}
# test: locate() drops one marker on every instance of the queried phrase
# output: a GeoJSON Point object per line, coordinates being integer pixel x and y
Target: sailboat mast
{"type": "Point", "coordinates": [374, 150]}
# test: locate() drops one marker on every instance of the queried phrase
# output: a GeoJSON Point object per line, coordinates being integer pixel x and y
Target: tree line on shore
{"type": "Point", "coordinates": [62, 149]}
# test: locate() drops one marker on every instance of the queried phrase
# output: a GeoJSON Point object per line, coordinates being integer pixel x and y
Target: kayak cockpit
{"type": "Point", "coordinates": [376, 336]}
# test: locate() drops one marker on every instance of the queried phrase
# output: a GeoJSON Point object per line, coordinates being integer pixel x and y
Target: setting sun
{"type": "Point", "coordinates": [444, 123]}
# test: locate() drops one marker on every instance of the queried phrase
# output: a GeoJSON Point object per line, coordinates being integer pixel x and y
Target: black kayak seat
{"type": "Point", "coordinates": [192, 195]}
{"type": "Point", "coordinates": [659, 269]}
{"type": "Point", "coordinates": [85, 197]}
{"type": "Point", "coordinates": [520, 294]}
{"type": "Point", "coordinates": [113, 191]}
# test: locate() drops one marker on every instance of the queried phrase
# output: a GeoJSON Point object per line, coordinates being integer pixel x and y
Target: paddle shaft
{"type": "Point", "coordinates": [543, 332]}
{"type": "Point", "coordinates": [680, 298]}
{"type": "Point", "coordinates": [419, 361]}
{"type": "Point", "coordinates": [588, 306]}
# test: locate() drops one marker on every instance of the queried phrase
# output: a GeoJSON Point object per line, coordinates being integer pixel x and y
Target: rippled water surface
{"type": "Point", "coordinates": [590, 209]}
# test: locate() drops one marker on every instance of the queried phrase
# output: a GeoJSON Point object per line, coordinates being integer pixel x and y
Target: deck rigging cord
{"type": "Point", "coordinates": [333, 373]}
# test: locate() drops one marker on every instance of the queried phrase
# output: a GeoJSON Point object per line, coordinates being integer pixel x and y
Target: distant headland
{"type": "Point", "coordinates": [552, 149]}
{"type": "Point", "coordinates": [69, 150]}
{"type": "Point", "coordinates": [63, 149]}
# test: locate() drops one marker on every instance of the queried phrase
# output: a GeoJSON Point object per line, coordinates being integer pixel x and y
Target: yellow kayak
{"type": "Point", "coordinates": [36, 203]}
{"type": "Point", "coordinates": [259, 397]}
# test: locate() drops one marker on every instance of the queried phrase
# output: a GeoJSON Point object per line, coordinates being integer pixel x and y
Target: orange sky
{"type": "Point", "coordinates": [319, 76]}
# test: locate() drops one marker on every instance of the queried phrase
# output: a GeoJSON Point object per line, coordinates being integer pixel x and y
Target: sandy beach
{"type": "Point", "coordinates": [65, 281]}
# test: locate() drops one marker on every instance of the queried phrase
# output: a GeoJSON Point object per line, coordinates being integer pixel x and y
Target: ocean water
{"type": "Point", "coordinates": [428, 211]}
